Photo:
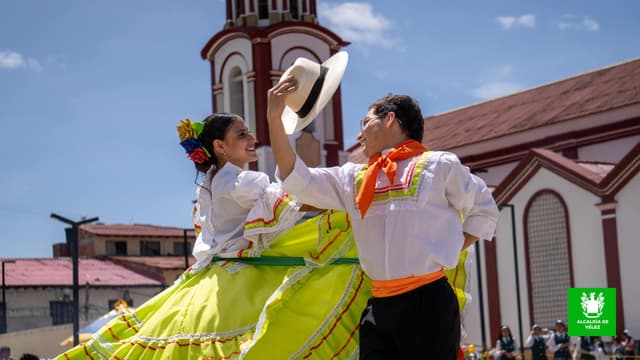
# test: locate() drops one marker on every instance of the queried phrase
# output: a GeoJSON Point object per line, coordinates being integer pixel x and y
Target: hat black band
{"type": "Point", "coordinates": [313, 94]}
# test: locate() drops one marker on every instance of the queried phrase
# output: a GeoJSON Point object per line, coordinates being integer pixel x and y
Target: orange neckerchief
{"type": "Point", "coordinates": [386, 163]}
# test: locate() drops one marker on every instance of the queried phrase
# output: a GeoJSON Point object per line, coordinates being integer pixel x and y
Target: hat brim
{"type": "Point", "coordinates": [336, 65]}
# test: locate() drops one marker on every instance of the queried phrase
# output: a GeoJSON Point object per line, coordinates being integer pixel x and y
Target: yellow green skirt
{"type": "Point", "coordinates": [302, 299]}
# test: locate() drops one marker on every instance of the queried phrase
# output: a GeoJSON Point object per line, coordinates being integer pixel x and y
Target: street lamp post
{"type": "Point", "coordinates": [185, 247]}
{"type": "Point", "coordinates": [4, 298]}
{"type": "Point", "coordinates": [72, 241]}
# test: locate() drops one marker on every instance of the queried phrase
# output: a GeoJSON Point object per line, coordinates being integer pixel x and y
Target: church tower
{"type": "Point", "coordinates": [259, 41]}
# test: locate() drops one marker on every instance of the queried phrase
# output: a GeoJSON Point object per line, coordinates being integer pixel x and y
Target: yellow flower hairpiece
{"type": "Point", "coordinates": [185, 130]}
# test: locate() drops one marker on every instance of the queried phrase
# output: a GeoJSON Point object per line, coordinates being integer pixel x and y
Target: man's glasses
{"type": "Point", "coordinates": [365, 121]}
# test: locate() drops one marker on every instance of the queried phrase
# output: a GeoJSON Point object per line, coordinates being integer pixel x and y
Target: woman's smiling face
{"type": "Point", "coordinates": [239, 145]}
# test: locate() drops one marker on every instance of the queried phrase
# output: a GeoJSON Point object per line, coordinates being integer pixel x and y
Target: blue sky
{"type": "Point", "coordinates": [90, 92]}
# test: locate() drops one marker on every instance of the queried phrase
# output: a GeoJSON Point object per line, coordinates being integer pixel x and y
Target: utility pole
{"type": "Point", "coordinates": [4, 327]}
{"type": "Point", "coordinates": [72, 242]}
{"type": "Point", "coordinates": [185, 247]}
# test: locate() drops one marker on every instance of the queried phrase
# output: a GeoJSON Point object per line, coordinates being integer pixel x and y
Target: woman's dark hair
{"type": "Point", "coordinates": [215, 128]}
{"type": "Point", "coordinates": [505, 327]}
{"type": "Point", "coordinates": [407, 112]}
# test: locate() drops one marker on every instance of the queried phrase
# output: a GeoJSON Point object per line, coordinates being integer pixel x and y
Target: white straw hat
{"type": "Point", "coordinates": [316, 85]}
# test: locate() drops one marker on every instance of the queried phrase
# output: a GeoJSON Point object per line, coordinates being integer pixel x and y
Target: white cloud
{"type": "Point", "coordinates": [498, 83]}
{"type": "Point", "coordinates": [571, 22]}
{"type": "Point", "coordinates": [501, 71]}
{"type": "Point", "coordinates": [494, 89]}
{"type": "Point", "coordinates": [591, 24]}
{"type": "Point", "coordinates": [356, 22]}
{"type": "Point", "coordinates": [13, 60]}
{"type": "Point", "coordinates": [524, 21]}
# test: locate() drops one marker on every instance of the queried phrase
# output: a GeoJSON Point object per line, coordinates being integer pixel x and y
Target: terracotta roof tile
{"type": "Point", "coordinates": [131, 230]}
{"type": "Point", "coordinates": [161, 262]}
{"type": "Point", "coordinates": [59, 272]}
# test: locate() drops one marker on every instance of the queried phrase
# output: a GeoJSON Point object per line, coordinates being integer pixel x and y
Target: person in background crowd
{"type": "Point", "coordinates": [616, 349]}
{"type": "Point", "coordinates": [537, 342]}
{"type": "Point", "coordinates": [560, 342]}
{"type": "Point", "coordinates": [628, 344]}
{"type": "Point", "coordinates": [5, 353]}
{"type": "Point", "coordinates": [505, 346]}
{"type": "Point", "coordinates": [586, 348]}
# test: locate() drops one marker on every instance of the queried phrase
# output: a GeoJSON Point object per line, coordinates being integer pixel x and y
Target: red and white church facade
{"type": "Point", "coordinates": [260, 40]}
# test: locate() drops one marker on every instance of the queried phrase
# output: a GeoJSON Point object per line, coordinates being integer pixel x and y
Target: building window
{"type": "Point", "coordinates": [263, 9]}
{"type": "Point", "coordinates": [293, 9]}
{"type": "Point", "coordinates": [61, 312]}
{"type": "Point", "coordinates": [116, 247]}
{"type": "Point", "coordinates": [178, 248]}
{"type": "Point", "coordinates": [548, 256]}
{"type": "Point", "coordinates": [150, 248]}
{"type": "Point", "coordinates": [236, 9]}
{"type": "Point", "coordinates": [236, 92]}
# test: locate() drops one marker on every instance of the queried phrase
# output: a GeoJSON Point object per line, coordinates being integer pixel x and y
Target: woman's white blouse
{"type": "Point", "coordinates": [413, 226]}
{"type": "Point", "coordinates": [232, 200]}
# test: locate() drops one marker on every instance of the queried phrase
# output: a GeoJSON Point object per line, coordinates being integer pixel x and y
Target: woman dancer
{"type": "Point", "coordinates": [256, 278]}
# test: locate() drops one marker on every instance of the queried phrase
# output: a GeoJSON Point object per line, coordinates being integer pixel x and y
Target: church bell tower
{"type": "Point", "coordinates": [259, 41]}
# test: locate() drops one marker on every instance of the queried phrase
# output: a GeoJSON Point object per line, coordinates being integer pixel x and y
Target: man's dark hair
{"type": "Point", "coordinates": [407, 112]}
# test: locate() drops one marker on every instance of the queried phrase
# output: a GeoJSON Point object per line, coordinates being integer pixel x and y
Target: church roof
{"type": "Point", "coordinates": [593, 92]}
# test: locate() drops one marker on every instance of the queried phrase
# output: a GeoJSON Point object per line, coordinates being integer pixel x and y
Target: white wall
{"type": "Point", "coordinates": [628, 216]}
{"type": "Point", "coordinates": [282, 43]}
{"type": "Point", "coordinates": [28, 308]}
{"type": "Point", "coordinates": [43, 342]}
{"type": "Point", "coordinates": [240, 45]}
{"type": "Point", "coordinates": [495, 174]}
{"type": "Point", "coordinates": [471, 315]}
{"type": "Point", "coordinates": [506, 270]}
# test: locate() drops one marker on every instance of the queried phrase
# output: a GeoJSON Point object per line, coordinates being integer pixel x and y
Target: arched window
{"type": "Point", "coordinates": [547, 245]}
{"type": "Point", "coordinates": [236, 92]}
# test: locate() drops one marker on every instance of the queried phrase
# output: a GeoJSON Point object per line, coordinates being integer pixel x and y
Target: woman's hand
{"type": "Point", "coordinates": [282, 151]}
{"type": "Point", "coordinates": [276, 96]}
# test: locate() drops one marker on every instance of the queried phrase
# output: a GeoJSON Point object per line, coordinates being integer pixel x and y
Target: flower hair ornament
{"type": "Point", "coordinates": [189, 131]}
